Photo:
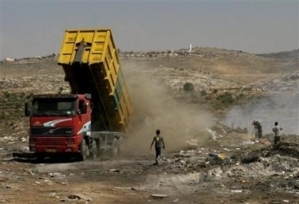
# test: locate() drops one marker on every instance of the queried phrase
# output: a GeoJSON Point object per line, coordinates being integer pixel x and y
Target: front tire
{"type": "Point", "coordinates": [83, 150]}
{"type": "Point", "coordinates": [40, 158]}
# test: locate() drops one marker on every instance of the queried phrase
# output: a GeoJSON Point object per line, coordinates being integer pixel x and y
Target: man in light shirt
{"type": "Point", "coordinates": [276, 131]}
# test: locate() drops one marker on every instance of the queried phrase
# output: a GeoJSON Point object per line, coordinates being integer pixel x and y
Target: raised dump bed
{"type": "Point", "coordinates": [91, 64]}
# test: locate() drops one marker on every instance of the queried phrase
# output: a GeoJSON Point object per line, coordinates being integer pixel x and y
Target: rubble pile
{"type": "Point", "coordinates": [236, 148]}
{"type": "Point", "coordinates": [243, 170]}
{"type": "Point", "coordinates": [223, 142]}
{"type": "Point", "coordinates": [272, 168]}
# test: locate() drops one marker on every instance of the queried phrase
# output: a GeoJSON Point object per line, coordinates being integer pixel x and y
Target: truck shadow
{"type": "Point", "coordinates": [31, 158]}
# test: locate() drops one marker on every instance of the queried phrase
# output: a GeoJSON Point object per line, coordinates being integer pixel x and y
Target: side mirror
{"type": "Point", "coordinates": [27, 111]}
{"type": "Point", "coordinates": [83, 109]}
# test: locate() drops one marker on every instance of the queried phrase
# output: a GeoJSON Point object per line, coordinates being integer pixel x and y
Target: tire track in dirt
{"type": "Point", "coordinates": [183, 185]}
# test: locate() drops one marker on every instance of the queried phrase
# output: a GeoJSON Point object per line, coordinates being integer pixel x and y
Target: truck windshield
{"type": "Point", "coordinates": [54, 107]}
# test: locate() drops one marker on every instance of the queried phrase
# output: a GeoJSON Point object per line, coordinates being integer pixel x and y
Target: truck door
{"type": "Point", "coordinates": [84, 115]}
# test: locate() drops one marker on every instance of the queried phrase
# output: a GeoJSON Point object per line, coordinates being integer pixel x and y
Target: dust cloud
{"type": "Point", "coordinates": [155, 108]}
{"type": "Point", "coordinates": [283, 108]}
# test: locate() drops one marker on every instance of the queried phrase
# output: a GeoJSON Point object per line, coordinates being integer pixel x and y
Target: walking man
{"type": "Point", "coordinates": [258, 129]}
{"type": "Point", "coordinates": [276, 131]}
{"type": "Point", "coordinates": [159, 144]}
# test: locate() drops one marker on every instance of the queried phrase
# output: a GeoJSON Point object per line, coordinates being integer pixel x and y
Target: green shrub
{"type": "Point", "coordinates": [240, 96]}
{"type": "Point", "coordinates": [226, 98]}
{"type": "Point", "coordinates": [6, 94]}
{"type": "Point", "coordinates": [203, 92]}
{"type": "Point", "coordinates": [188, 86]}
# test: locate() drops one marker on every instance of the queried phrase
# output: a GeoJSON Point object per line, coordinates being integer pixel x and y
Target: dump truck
{"type": "Point", "coordinates": [95, 115]}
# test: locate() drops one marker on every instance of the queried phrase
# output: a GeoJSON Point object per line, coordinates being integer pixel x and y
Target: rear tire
{"type": "Point", "coordinates": [116, 146]}
{"type": "Point", "coordinates": [94, 149]}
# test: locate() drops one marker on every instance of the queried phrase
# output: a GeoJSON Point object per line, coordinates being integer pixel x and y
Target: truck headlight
{"type": "Point", "coordinates": [70, 141]}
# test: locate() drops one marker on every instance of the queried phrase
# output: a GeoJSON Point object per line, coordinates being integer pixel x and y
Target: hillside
{"type": "Point", "coordinates": [214, 73]}
{"type": "Point", "coordinates": [288, 60]}
{"type": "Point", "coordinates": [206, 68]}
{"type": "Point", "coordinates": [237, 66]}
{"type": "Point", "coordinates": [286, 55]}
{"type": "Point", "coordinates": [215, 79]}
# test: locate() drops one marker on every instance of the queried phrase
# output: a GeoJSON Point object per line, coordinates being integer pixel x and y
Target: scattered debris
{"type": "Point", "coordinates": [56, 175]}
{"type": "Point", "coordinates": [175, 201]}
{"type": "Point", "coordinates": [114, 170]}
{"type": "Point", "coordinates": [237, 191]}
{"type": "Point", "coordinates": [159, 195]}
{"type": "Point", "coordinates": [73, 197]}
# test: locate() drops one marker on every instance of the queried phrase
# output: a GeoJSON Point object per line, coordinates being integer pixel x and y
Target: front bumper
{"type": "Point", "coordinates": [54, 145]}
{"type": "Point", "coordinates": [54, 149]}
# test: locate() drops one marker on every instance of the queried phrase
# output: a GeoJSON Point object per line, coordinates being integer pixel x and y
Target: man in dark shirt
{"type": "Point", "coordinates": [159, 144]}
{"type": "Point", "coordinates": [258, 129]}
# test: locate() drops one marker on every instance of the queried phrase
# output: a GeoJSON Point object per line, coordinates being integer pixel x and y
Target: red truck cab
{"type": "Point", "coordinates": [58, 123]}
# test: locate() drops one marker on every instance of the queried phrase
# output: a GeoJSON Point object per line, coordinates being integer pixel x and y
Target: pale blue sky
{"type": "Point", "coordinates": [34, 28]}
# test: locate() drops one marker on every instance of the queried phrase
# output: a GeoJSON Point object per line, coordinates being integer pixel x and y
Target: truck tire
{"type": "Point", "coordinates": [116, 146]}
{"type": "Point", "coordinates": [94, 149]}
{"type": "Point", "coordinates": [40, 158]}
{"type": "Point", "coordinates": [83, 150]}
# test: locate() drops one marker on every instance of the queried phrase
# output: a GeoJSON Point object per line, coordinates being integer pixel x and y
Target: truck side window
{"type": "Point", "coordinates": [82, 107]}
{"type": "Point", "coordinates": [81, 102]}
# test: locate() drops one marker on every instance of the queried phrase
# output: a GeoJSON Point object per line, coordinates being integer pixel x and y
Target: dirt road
{"type": "Point", "coordinates": [125, 180]}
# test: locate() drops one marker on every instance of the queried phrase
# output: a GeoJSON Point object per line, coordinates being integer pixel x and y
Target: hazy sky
{"type": "Point", "coordinates": [35, 28]}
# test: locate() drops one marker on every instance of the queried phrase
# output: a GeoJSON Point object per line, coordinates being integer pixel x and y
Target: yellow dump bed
{"type": "Point", "coordinates": [90, 61]}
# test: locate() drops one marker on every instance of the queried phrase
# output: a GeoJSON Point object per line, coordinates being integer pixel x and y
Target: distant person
{"type": "Point", "coordinates": [258, 130]}
{"type": "Point", "coordinates": [159, 144]}
{"type": "Point", "coordinates": [276, 131]}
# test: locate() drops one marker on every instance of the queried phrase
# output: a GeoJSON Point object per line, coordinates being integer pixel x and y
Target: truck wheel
{"type": "Point", "coordinates": [83, 150]}
{"type": "Point", "coordinates": [94, 149]}
{"type": "Point", "coordinates": [40, 158]}
{"type": "Point", "coordinates": [116, 146]}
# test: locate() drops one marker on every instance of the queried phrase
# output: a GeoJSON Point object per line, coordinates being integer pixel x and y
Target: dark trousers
{"type": "Point", "coordinates": [276, 139]}
{"type": "Point", "coordinates": [158, 152]}
{"type": "Point", "coordinates": [258, 134]}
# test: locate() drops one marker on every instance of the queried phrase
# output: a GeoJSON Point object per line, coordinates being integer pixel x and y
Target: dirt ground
{"type": "Point", "coordinates": [134, 179]}
{"type": "Point", "coordinates": [220, 164]}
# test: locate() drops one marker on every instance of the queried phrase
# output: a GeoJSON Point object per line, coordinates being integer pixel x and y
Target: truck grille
{"type": "Point", "coordinates": [52, 141]}
{"type": "Point", "coordinates": [52, 131]}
